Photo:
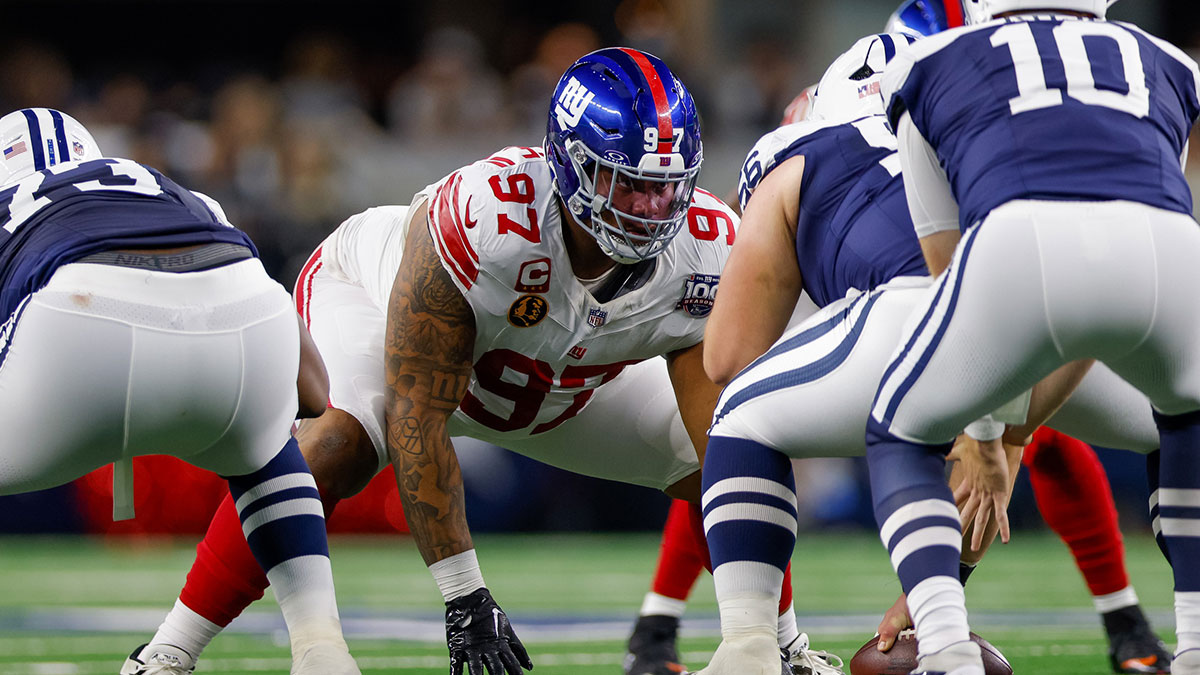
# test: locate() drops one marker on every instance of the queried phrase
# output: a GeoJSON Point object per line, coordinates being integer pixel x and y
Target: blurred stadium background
{"type": "Point", "coordinates": [297, 114]}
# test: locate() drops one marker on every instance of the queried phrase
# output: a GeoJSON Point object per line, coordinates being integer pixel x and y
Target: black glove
{"type": "Point", "coordinates": [479, 635]}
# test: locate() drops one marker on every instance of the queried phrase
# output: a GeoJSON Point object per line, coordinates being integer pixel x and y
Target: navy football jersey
{"type": "Point", "coordinates": [854, 230]}
{"type": "Point", "coordinates": [59, 215]}
{"type": "Point", "coordinates": [1050, 107]}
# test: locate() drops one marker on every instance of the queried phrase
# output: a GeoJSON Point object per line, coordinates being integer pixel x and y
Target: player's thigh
{"type": "Point", "coordinates": [270, 351]}
{"type": "Point", "coordinates": [1166, 364]}
{"type": "Point", "coordinates": [63, 383]}
{"type": "Point", "coordinates": [808, 396]}
{"type": "Point", "coordinates": [349, 329]}
{"type": "Point", "coordinates": [980, 339]}
{"type": "Point", "coordinates": [1107, 411]}
{"type": "Point", "coordinates": [631, 432]}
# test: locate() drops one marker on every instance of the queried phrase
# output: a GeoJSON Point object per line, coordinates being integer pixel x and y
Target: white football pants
{"type": "Point", "coordinates": [1039, 284]}
{"type": "Point", "coordinates": [106, 363]}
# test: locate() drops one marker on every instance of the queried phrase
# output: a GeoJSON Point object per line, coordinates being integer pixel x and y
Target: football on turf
{"type": "Point", "coordinates": [901, 659]}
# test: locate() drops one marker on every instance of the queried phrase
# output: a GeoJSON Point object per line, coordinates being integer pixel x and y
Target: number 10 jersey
{"type": "Point", "coordinates": [1057, 108]}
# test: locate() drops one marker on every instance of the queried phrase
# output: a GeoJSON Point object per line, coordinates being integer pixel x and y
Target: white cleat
{"type": "Point", "coordinates": [1186, 662]}
{"type": "Point", "coordinates": [748, 655]}
{"type": "Point", "coordinates": [158, 660]}
{"type": "Point", "coordinates": [805, 661]}
{"type": "Point", "coordinates": [325, 659]}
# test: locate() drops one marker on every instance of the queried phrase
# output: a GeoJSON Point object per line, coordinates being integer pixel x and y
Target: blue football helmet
{"type": "Point", "coordinates": [33, 139]}
{"type": "Point", "coordinates": [922, 18]}
{"type": "Point", "coordinates": [620, 115]}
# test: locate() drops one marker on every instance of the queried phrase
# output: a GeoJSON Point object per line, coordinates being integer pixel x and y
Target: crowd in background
{"type": "Point", "coordinates": [292, 144]}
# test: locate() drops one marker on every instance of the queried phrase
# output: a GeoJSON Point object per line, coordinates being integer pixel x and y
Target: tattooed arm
{"type": "Point", "coordinates": [428, 355]}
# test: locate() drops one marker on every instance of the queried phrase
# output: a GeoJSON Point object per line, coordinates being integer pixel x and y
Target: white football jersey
{"type": "Point", "coordinates": [543, 341]}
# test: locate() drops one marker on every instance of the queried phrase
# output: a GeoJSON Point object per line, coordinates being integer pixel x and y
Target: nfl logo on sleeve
{"type": "Point", "coordinates": [699, 292]}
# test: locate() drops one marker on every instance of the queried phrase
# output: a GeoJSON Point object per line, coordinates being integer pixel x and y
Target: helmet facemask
{"type": "Point", "coordinates": [605, 186]}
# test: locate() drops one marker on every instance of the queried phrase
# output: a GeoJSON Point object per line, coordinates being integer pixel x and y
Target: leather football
{"type": "Point", "coordinates": [901, 659]}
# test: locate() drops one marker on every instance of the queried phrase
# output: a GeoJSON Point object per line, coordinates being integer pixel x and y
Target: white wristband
{"type": "Point", "coordinates": [457, 575]}
{"type": "Point", "coordinates": [985, 429]}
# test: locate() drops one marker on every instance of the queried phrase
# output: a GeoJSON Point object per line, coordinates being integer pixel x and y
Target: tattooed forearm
{"type": "Point", "coordinates": [428, 358]}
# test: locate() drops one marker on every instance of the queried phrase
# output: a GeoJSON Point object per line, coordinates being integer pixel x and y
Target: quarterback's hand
{"type": "Point", "coordinates": [895, 620]}
{"type": "Point", "coordinates": [478, 635]}
{"type": "Point", "coordinates": [982, 496]}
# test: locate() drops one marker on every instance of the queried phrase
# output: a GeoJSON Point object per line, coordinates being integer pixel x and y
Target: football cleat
{"type": "Point", "coordinates": [1133, 646]}
{"type": "Point", "coordinates": [801, 660]}
{"type": "Point", "coordinates": [325, 659]}
{"type": "Point", "coordinates": [158, 660]}
{"type": "Point", "coordinates": [1186, 662]}
{"type": "Point", "coordinates": [652, 647]}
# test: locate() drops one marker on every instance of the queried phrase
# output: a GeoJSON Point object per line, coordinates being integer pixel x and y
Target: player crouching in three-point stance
{"type": "Point", "coordinates": [510, 303]}
{"type": "Point", "coordinates": [1052, 140]}
{"type": "Point", "coordinates": [133, 304]}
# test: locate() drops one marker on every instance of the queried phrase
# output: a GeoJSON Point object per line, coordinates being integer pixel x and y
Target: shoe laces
{"type": "Point", "coordinates": [164, 664]}
{"type": "Point", "coordinates": [816, 661]}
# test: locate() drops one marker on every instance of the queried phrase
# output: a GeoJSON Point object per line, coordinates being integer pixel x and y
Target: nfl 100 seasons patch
{"type": "Point", "coordinates": [699, 292]}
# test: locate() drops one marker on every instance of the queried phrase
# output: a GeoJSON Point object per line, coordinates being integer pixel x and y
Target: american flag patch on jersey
{"type": "Point", "coordinates": [14, 149]}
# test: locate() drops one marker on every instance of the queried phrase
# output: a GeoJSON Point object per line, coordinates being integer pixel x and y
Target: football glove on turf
{"type": "Point", "coordinates": [479, 636]}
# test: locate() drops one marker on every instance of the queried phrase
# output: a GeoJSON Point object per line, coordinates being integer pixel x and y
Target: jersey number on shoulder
{"type": "Point", "coordinates": [33, 193]}
{"type": "Point", "coordinates": [1080, 82]}
{"type": "Point", "coordinates": [517, 188]}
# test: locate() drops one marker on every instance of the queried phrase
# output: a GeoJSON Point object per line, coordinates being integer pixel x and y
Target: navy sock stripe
{"type": "Point", "coordinates": [809, 372]}
{"type": "Point", "coordinates": [287, 461]}
{"type": "Point", "coordinates": [931, 561]}
{"type": "Point", "coordinates": [750, 540]}
{"type": "Point", "coordinates": [748, 497]}
{"type": "Point", "coordinates": [287, 538]}
{"type": "Point", "coordinates": [731, 465]}
{"type": "Point", "coordinates": [278, 497]}
{"type": "Point", "coordinates": [919, 524]}
{"type": "Point", "coordinates": [1189, 512]}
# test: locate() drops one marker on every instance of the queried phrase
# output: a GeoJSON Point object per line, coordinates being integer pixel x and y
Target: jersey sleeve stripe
{"type": "Point", "coordinates": [450, 235]}
{"type": "Point", "coordinates": [304, 284]}
{"type": "Point", "coordinates": [666, 130]}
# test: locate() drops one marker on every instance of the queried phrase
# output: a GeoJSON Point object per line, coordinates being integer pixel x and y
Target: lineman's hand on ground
{"type": "Point", "coordinates": [480, 637]}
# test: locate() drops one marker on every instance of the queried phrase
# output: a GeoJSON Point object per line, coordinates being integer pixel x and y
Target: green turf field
{"type": "Point", "coordinates": [77, 606]}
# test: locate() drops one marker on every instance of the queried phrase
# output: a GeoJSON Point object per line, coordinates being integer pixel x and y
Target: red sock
{"type": "Point", "coordinates": [225, 578]}
{"type": "Point", "coordinates": [1074, 496]}
{"type": "Point", "coordinates": [679, 558]}
{"type": "Point", "coordinates": [696, 522]}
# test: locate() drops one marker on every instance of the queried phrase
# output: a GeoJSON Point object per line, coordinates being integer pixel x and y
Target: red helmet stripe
{"type": "Point", "coordinates": [659, 93]}
{"type": "Point", "coordinates": [954, 13]}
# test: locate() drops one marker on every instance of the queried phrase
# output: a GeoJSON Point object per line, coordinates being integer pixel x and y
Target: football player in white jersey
{"type": "Point", "coordinates": [495, 306]}
{"type": "Point", "coordinates": [135, 305]}
{"type": "Point", "coordinates": [1042, 158]}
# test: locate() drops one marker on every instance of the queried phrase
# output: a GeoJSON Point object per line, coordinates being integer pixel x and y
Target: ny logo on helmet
{"type": "Point", "coordinates": [571, 103]}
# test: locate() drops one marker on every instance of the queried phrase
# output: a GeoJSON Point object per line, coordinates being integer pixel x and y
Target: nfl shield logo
{"type": "Point", "coordinates": [597, 317]}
